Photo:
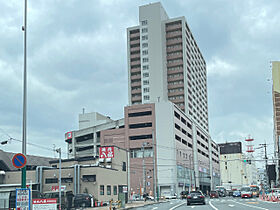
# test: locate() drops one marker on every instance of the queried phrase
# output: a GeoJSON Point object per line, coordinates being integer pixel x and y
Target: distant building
{"type": "Point", "coordinates": [276, 113]}
{"type": "Point", "coordinates": [235, 172]}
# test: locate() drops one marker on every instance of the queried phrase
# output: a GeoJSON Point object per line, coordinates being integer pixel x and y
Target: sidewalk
{"type": "Point", "coordinates": [129, 205]}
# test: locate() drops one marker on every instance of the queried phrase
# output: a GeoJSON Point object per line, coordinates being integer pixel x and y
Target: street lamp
{"type": "Point", "coordinates": [59, 152]}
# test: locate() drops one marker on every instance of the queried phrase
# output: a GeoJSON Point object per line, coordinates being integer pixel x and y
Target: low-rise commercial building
{"type": "Point", "coordinates": [103, 178]}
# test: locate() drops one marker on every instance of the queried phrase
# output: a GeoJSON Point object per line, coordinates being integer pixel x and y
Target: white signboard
{"type": "Point", "coordinates": [23, 199]}
{"type": "Point", "coordinates": [45, 204]}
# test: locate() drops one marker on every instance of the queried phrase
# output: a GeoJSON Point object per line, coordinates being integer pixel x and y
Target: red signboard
{"type": "Point", "coordinates": [44, 201]}
{"type": "Point", "coordinates": [68, 135]}
{"type": "Point", "coordinates": [106, 152]}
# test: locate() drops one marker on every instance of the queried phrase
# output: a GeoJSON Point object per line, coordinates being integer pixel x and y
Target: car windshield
{"type": "Point", "coordinates": [245, 189]}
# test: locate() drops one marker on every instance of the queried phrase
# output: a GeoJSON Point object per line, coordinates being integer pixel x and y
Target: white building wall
{"type": "Point", "coordinates": [151, 17]}
{"type": "Point", "coordinates": [166, 152]}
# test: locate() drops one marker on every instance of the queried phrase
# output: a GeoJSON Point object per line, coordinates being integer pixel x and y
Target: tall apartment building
{"type": "Point", "coordinates": [276, 113]}
{"type": "Point", "coordinates": [165, 63]}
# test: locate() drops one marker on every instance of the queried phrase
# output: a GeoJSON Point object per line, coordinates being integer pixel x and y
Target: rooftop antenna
{"type": "Point", "coordinates": [84, 110]}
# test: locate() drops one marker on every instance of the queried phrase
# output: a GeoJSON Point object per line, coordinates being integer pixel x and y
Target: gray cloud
{"type": "Point", "coordinates": [77, 58]}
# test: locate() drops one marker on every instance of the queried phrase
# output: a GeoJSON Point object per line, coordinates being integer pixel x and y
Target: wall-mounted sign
{"type": "Point", "coordinates": [68, 135]}
{"type": "Point", "coordinates": [106, 152]}
{"type": "Point", "coordinates": [46, 204]}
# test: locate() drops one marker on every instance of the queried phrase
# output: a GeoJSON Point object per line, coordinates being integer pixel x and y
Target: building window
{"type": "Point", "coordinates": [177, 115]}
{"type": "Point", "coordinates": [144, 30]}
{"type": "Point", "coordinates": [178, 138]}
{"type": "Point", "coordinates": [89, 178]}
{"type": "Point", "coordinates": [51, 180]}
{"type": "Point", "coordinates": [108, 189]}
{"type": "Point", "coordinates": [138, 153]}
{"type": "Point", "coordinates": [177, 127]}
{"type": "Point", "coordinates": [140, 137]}
{"type": "Point", "coordinates": [115, 190]}
{"type": "Point", "coordinates": [124, 166]}
{"type": "Point", "coordinates": [145, 37]}
{"type": "Point", "coordinates": [145, 60]}
{"type": "Point", "coordinates": [146, 90]}
{"type": "Point", "coordinates": [145, 67]}
{"type": "Point", "coordinates": [145, 45]}
{"type": "Point", "coordinates": [140, 125]}
{"type": "Point", "coordinates": [144, 22]}
{"type": "Point", "coordinates": [145, 82]}
{"type": "Point", "coordinates": [66, 180]}
{"type": "Point", "coordinates": [146, 97]}
{"type": "Point", "coordinates": [139, 114]}
{"type": "Point", "coordinates": [145, 74]}
{"type": "Point", "coordinates": [101, 189]}
{"type": "Point", "coordinates": [144, 52]}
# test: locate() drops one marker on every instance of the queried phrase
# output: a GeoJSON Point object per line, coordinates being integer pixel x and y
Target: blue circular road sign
{"type": "Point", "coordinates": [19, 160]}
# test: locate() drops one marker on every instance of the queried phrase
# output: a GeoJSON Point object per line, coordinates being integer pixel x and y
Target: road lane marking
{"type": "Point", "coordinates": [174, 207]}
{"type": "Point", "coordinates": [154, 208]}
{"type": "Point", "coordinates": [256, 207]}
{"type": "Point", "coordinates": [213, 206]}
{"type": "Point", "coordinates": [230, 205]}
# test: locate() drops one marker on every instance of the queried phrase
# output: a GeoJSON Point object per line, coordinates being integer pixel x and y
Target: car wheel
{"type": "Point", "coordinates": [188, 204]}
{"type": "Point", "coordinates": [204, 203]}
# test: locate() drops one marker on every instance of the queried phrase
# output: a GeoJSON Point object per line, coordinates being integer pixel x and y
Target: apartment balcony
{"type": "Point", "coordinates": [175, 49]}
{"type": "Point", "coordinates": [135, 55]}
{"type": "Point", "coordinates": [176, 86]}
{"type": "Point", "coordinates": [136, 91]}
{"type": "Point", "coordinates": [173, 27]}
{"type": "Point", "coordinates": [171, 42]}
{"type": "Point", "coordinates": [181, 100]}
{"type": "Point", "coordinates": [174, 34]}
{"type": "Point", "coordinates": [133, 49]}
{"type": "Point", "coordinates": [135, 84]}
{"type": "Point", "coordinates": [135, 35]}
{"type": "Point", "coordinates": [135, 77]}
{"type": "Point", "coordinates": [134, 70]}
{"type": "Point", "coordinates": [180, 55]}
{"type": "Point", "coordinates": [135, 63]}
{"type": "Point", "coordinates": [175, 71]}
{"type": "Point", "coordinates": [175, 78]}
{"type": "Point", "coordinates": [180, 63]}
{"type": "Point", "coordinates": [177, 93]}
{"type": "Point", "coordinates": [135, 41]}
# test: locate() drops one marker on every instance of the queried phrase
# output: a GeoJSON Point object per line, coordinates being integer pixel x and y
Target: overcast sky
{"type": "Point", "coordinates": [77, 59]}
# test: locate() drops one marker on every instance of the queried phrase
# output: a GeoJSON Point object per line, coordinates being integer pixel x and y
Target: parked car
{"type": "Point", "coordinates": [66, 198]}
{"type": "Point", "coordinates": [236, 193]}
{"type": "Point", "coordinates": [12, 197]}
{"type": "Point", "coordinates": [83, 200]}
{"type": "Point", "coordinates": [184, 194]}
{"type": "Point", "coordinates": [195, 197]}
{"type": "Point", "coordinates": [214, 194]}
{"type": "Point", "coordinates": [246, 192]}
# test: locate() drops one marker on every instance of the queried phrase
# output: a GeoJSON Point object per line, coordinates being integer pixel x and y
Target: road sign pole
{"type": "Point", "coordinates": [23, 171]}
{"type": "Point", "coordinates": [23, 177]}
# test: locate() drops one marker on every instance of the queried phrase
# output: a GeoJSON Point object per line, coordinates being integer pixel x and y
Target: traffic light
{"type": "Point", "coordinates": [245, 161]}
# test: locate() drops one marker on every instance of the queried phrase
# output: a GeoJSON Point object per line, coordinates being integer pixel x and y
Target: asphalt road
{"type": "Point", "coordinates": [227, 203]}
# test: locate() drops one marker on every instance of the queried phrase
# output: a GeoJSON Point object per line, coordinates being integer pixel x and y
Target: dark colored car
{"type": "Point", "coordinates": [195, 197]}
{"type": "Point", "coordinates": [214, 194]}
{"type": "Point", "coordinates": [83, 200]}
{"type": "Point", "coordinates": [12, 198]}
{"type": "Point", "coordinates": [184, 194]}
{"type": "Point", "coordinates": [66, 198]}
{"type": "Point", "coordinates": [221, 193]}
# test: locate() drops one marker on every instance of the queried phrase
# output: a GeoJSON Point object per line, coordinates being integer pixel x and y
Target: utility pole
{"type": "Point", "coordinates": [144, 172]}
{"type": "Point", "coordinates": [154, 171]}
{"type": "Point", "coordinates": [190, 172]}
{"type": "Point", "coordinates": [24, 28]}
{"type": "Point", "coordinates": [59, 152]}
{"type": "Point", "coordinates": [266, 159]}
